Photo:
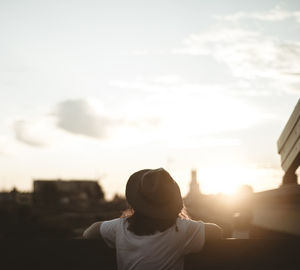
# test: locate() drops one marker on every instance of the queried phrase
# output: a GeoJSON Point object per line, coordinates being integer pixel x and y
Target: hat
{"type": "Point", "coordinates": [154, 193]}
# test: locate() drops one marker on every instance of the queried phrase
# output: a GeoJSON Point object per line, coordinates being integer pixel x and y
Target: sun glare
{"type": "Point", "coordinates": [224, 179]}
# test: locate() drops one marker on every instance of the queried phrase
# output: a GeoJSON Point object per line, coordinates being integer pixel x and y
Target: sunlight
{"type": "Point", "coordinates": [207, 114]}
{"type": "Point", "coordinates": [224, 179]}
{"type": "Point", "coordinates": [199, 110]}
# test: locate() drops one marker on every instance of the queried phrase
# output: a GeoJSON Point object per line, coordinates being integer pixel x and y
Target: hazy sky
{"type": "Point", "coordinates": [100, 89]}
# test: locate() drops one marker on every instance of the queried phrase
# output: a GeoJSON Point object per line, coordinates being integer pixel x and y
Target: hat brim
{"type": "Point", "coordinates": [138, 202]}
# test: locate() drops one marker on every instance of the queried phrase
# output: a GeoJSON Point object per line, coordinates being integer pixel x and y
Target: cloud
{"type": "Point", "coordinates": [80, 117]}
{"type": "Point", "coordinates": [248, 54]}
{"type": "Point", "coordinates": [86, 117]}
{"type": "Point", "coordinates": [275, 14]}
{"type": "Point", "coordinates": [253, 57]}
{"type": "Point", "coordinates": [26, 133]}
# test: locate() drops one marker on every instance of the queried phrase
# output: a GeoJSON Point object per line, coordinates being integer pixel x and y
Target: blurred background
{"type": "Point", "coordinates": [92, 91]}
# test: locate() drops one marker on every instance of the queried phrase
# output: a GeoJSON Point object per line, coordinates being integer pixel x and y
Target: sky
{"type": "Point", "coordinates": [101, 89]}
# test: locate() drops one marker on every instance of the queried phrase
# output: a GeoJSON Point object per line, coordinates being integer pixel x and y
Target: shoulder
{"type": "Point", "coordinates": [193, 235]}
{"type": "Point", "coordinates": [100, 228]}
{"type": "Point", "coordinates": [109, 230]}
{"type": "Point", "coordinates": [210, 230]}
{"type": "Point", "coordinates": [112, 225]}
{"type": "Point", "coordinates": [190, 226]}
{"type": "Point", "coordinates": [93, 232]}
{"type": "Point", "coordinates": [114, 221]}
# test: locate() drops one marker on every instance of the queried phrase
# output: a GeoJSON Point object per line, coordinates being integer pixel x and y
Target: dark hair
{"type": "Point", "coordinates": [140, 224]}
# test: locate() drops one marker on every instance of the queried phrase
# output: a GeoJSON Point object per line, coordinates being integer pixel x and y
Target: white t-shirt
{"type": "Point", "coordinates": [162, 250]}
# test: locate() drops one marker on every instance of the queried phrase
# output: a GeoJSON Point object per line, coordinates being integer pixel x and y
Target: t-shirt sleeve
{"type": "Point", "coordinates": [108, 231]}
{"type": "Point", "coordinates": [195, 236]}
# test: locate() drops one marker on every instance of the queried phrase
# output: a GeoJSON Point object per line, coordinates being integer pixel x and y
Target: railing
{"type": "Point", "coordinates": [92, 254]}
{"type": "Point", "coordinates": [288, 146]}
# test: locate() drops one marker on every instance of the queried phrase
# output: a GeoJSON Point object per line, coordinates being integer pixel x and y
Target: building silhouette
{"type": "Point", "coordinates": [79, 193]}
{"type": "Point", "coordinates": [194, 193]}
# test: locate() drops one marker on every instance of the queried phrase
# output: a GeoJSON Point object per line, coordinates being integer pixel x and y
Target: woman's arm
{"type": "Point", "coordinates": [93, 232]}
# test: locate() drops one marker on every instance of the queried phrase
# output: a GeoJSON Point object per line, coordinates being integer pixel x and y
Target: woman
{"type": "Point", "coordinates": [155, 235]}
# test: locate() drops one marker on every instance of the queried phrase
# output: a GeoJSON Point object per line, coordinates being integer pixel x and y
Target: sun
{"type": "Point", "coordinates": [224, 179]}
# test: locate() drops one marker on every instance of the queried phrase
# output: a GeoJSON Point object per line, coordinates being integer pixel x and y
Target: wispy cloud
{"type": "Point", "coordinates": [261, 62]}
{"type": "Point", "coordinates": [275, 14]}
{"type": "Point", "coordinates": [26, 133]}
{"type": "Point", "coordinates": [248, 54]}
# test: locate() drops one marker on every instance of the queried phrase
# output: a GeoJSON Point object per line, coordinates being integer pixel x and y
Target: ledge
{"type": "Point", "coordinates": [93, 254]}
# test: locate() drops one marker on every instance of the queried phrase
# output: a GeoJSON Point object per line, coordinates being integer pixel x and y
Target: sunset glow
{"type": "Point", "coordinates": [226, 179]}
{"type": "Point", "coordinates": [94, 96]}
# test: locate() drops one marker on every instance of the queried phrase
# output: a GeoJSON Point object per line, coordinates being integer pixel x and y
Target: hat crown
{"type": "Point", "coordinates": [155, 185]}
{"type": "Point", "coordinates": [154, 193]}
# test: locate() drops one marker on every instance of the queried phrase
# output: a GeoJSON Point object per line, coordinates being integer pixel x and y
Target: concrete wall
{"type": "Point", "coordinates": [83, 254]}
